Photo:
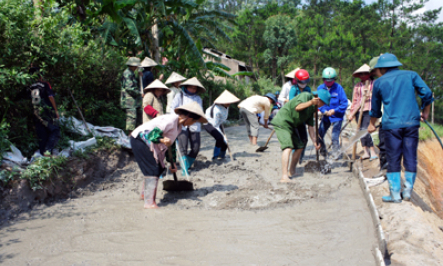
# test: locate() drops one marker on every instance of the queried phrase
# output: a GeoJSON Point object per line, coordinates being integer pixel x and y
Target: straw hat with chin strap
{"type": "Point", "coordinates": [175, 77]}
{"type": "Point", "coordinates": [194, 82]}
{"type": "Point", "coordinates": [226, 98]}
{"type": "Point", "coordinates": [194, 108]}
{"type": "Point", "coordinates": [157, 84]}
{"type": "Point", "coordinates": [291, 74]}
{"type": "Point", "coordinates": [148, 62]}
{"type": "Point", "coordinates": [363, 69]}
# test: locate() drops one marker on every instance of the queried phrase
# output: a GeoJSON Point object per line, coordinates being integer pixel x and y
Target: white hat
{"type": "Point", "coordinates": [148, 62]}
{"type": "Point", "coordinates": [157, 84]}
{"type": "Point", "coordinates": [133, 61]}
{"type": "Point", "coordinates": [292, 73]}
{"type": "Point", "coordinates": [194, 82]}
{"type": "Point", "coordinates": [194, 108]}
{"type": "Point", "coordinates": [363, 69]}
{"type": "Point", "coordinates": [175, 77]}
{"type": "Point", "coordinates": [226, 98]}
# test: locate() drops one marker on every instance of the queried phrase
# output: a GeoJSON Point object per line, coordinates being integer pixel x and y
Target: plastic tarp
{"type": "Point", "coordinates": [78, 127]}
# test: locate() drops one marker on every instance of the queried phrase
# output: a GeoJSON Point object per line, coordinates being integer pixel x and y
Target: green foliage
{"type": "Point", "coordinates": [5, 144]}
{"type": "Point", "coordinates": [7, 176]}
{"type": "Point", "coordinates": [426, 133]}
{"type": "Point", "coordinates": [69, 55]}
{"type": "Point", "coordinates": [43, 169]}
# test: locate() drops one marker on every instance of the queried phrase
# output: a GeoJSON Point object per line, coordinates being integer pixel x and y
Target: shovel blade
{"type": "Point", "coordinates": [317, 166]}
{"type": "Point", "coordinates": [183, 185]}
{"type": "Point", "coordinates": [261, 149]}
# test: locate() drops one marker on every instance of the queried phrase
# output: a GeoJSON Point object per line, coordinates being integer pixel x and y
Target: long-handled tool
{"type": "Point", "coordinates": [362, 104]}
{"type": "Point", "coordinates": [175, 185]}
{"type": "Point", "coordinates": [180, 159]}
{"type": "Point", "coordinates": [317, 165]}
{"type": "Point", "coordinates": [435, 133]}
{"type": "Point", "coordinates": [266, 145]}
{"type": "Point", "coordinates": [80, 112]}
{"type": "Point", "coordinates": [226, 138]}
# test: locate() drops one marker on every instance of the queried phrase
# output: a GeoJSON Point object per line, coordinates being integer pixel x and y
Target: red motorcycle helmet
{"type": "Point", "coordinates": [302, 76]}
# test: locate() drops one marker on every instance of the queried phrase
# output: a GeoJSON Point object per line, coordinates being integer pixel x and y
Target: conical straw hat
{"type": "Point", "coordinates": [363, 69]}
{"type": "Point", "coordinates": [175, 77]}
{"type": "Point", "coordinates": [194, 82]}
{"type": "Point", "coordinates": [292, 73]}
{"type": "Point", "coordinates": [148, 62]}
{"type": "Point", "coordinates": [157, 84]}
{"type": "Point", "coordinates": [133, 61]}
{"type": "Point", "coordinates": [194, 108]}
{"type": "Point", "coordinates": [226, 98]}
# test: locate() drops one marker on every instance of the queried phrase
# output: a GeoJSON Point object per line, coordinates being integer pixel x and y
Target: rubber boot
{"type": "Point", "coordinates": [216, 152]}
{"type": "Point", "coordinates": [394, 187]}
{"type": "Point", "coordinates": [222, 154]}
{"type": "Point", "coordinates": [150, 192]}
{"type": "Point", "coordinates": [190, 162]}
{"type": "Point", "coordinates": [409, 185]}
{"type": "Point", "coordinates": [185, 165]}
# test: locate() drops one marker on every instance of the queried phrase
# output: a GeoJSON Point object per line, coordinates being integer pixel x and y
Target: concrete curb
{"type": "Point", "coordinates": [381, 251]}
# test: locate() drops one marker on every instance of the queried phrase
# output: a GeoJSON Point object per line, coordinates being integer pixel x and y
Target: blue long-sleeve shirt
{"type": "Point", "coordinates": [339, 102]}
{"type": "Point", "coordinates": [295, 90]}
{"type": "Point", "coordinates": [396, 90]}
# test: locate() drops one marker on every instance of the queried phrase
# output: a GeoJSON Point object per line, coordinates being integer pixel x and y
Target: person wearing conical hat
{"type": "Point", "coordinates": [175, 79]}
{"type": "Point", "coordinates": [150, 142]}
{"type": "Point", "coordinates": [190, 90]}
{"type": "Point", "coordinates": [152, 105]}
{"type": "Point", "coordinates": [216, 115]}
{"type": "Point", "coordinates": [131, 98]}
{"type": "Point", "coordinates": [364, 74]}
{"type": "Point", "coordinates": [147, 64]}
{"type": "Point", "coordinates": [284, 93]}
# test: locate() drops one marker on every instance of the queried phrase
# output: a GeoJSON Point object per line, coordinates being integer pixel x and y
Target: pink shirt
{"type": "Point", "coordinates": [358, 96]}
{"type": "Point", "coordinates": [170, 127]}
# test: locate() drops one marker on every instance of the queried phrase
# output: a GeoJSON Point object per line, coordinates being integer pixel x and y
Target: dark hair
{"type": "Point", "coordinates": [148, 68]}
{"type": "Point", "coordinates": [189, 114]}
{"type": "Point", "coordinates": [34, 70]}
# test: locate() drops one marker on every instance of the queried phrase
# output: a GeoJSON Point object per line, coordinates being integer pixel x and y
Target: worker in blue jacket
{"type": "Point", "coordinates": [332, 114]}
{"type": "Point", "coordinates": [396, 90]}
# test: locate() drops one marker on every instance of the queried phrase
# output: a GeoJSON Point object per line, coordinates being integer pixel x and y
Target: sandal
{"type": "Point", "coordinates": [375, 157]}
{"type": "Point", "coordinates": [365, 157]}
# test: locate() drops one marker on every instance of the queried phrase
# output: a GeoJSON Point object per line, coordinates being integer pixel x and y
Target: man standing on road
{"type": "Point", "coordinates": [297, 112]}
{"type": "Point", "coordinates": [131, 97]}
{"type": "Point", "coordinates": [397, 89]}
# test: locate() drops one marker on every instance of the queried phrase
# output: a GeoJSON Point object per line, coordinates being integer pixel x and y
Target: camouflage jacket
{"type": "Point", "coordinates": [130, 94]}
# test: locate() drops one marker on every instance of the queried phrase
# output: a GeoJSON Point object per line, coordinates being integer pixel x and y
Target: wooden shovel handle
{"type": "Point", "coordinates": [171, 158]}
{"type": "Point", "coordinates": [270, 136]}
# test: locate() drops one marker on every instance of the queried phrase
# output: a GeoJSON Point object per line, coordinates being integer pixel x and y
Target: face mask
{"type": "Point", "coordinates": [293, 81]}
{"type": "Point", "coordinates": [365, 77]}
{"type": "Point", "coordinates": [302, 86]}
{"type": "Point", "coordinates": [329, 83]}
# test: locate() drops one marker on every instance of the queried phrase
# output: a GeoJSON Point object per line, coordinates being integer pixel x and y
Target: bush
{"type": "Point", "coordinates": [70, 56]}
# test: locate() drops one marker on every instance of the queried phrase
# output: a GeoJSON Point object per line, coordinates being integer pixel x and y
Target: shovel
{"type": "Point", "coordinates": [266, 145]}
{"type": "Point", "coordinates": [317, 166]}
{"type": "Point", "coordinates": [226, 138]}
{"type": "Point", "coordinates": [175, 185]}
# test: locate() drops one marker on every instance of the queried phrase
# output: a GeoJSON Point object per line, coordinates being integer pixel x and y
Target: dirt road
{"type": "Point", "coordinates": [239, 214]}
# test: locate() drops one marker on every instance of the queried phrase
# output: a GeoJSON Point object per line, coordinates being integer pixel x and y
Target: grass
{"type": "Point", "coordinates": [426, 132]}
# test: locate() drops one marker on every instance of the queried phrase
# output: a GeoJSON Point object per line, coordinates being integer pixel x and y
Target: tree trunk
{"type": "Point", "coordinates": [155, 48]}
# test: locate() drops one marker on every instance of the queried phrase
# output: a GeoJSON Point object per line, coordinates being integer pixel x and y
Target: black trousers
{"type": "Point", "coordinates": [194, 140]}
{"type": "Point", "coordinates": [366, 141]}
{"type": "Point", "coordinates": [219, 139]}
{"type": "Point", "coordinates": [47, 136]}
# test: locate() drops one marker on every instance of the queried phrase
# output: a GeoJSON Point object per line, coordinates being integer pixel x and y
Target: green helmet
{"type": "Point", "coordinates": [329, 73]}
